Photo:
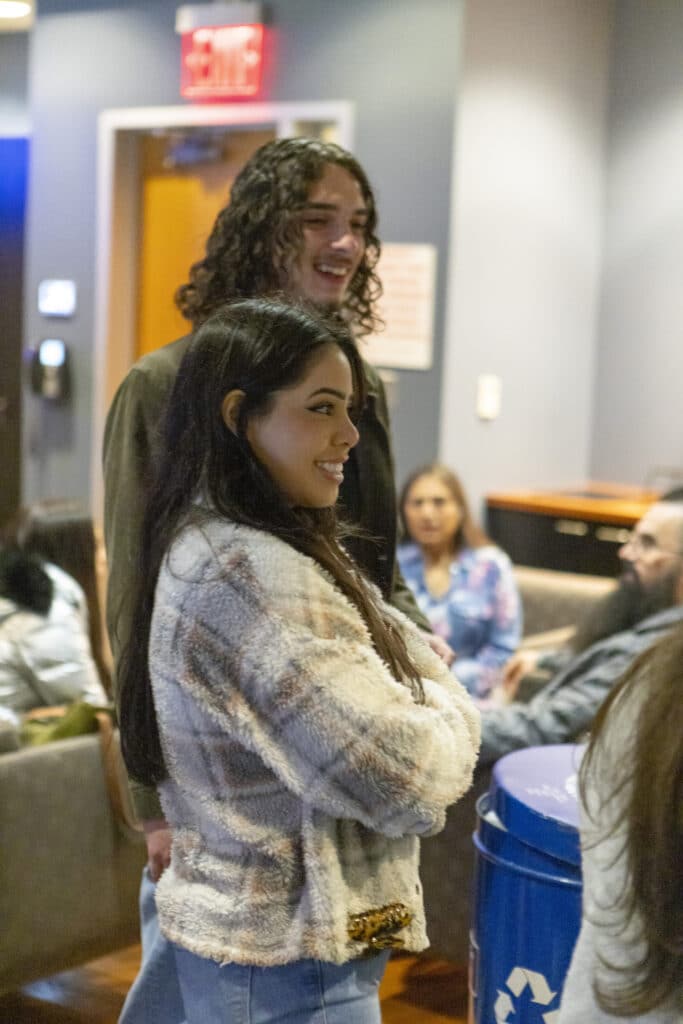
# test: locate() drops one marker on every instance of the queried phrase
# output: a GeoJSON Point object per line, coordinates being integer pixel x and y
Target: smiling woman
{"type": "Point", "coordinates": [304, 438]}
{"type": "Point", "coordinates": [301, 731]}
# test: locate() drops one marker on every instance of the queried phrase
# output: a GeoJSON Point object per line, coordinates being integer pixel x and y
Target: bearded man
{"type": "Point", "coordinates": [646, 605]}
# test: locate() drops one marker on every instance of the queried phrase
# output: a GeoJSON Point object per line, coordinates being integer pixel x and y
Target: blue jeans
{"type": "Point", "coordinates": [155, 997]}
{"type": "Point", "coordinates": [303, 992]}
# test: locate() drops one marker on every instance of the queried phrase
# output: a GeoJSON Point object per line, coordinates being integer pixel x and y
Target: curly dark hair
{"type": "Point", "coordinates": [250, 247]}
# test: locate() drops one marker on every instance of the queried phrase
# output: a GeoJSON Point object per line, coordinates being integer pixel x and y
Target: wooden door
{"type": "Point", "coordinates": [181, 194]}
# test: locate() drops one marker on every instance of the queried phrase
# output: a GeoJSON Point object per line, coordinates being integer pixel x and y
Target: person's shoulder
{"type": "Point", "coordinates": [410, 551]}
{"type": "Point", "coordinates": [163, 361]}
{"type": "Point", "coordinates": [143, 390]}
{"type": "Point", "coordinates": [247, 552]}
{"type": "Point", "coordinates": [197, 544]}
{"type": "Point", "coordinates": [638, 637]}
{"type": "Point", "coordinates": [491, 555]}
{"type": "Point", "coordinates": [293, 585]}
{"type": "Point", "coordinates": [263, 569]}
{"type": "Point", "coordinates": [277, 565]}
{"type": "Point", "coordinates": [409, 556]}
{"type": "Point", "coordinates": [68, 598]}
{"type": "Point", "coordinates": [65, 586]}
{"type": "Point", "coordinates": [17, 623]}
{"type": "Point", "coordinates": [14, 619]}
{"type": "Point", "coordinates": [660, 622]}
{"type": "Point", "coordinates": [17, 620]}
{"type": "Point", "coordinates": [154, 371]}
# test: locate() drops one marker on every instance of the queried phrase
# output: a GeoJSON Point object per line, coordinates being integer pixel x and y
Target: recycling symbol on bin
{"type": "Point", "coordinates": [518, 980]}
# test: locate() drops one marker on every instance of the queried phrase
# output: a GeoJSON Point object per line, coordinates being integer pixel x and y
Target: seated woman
{"type": "Point", "coordinates": [462, 582]}
{"type": "Point", "coordinates": [45, 654]}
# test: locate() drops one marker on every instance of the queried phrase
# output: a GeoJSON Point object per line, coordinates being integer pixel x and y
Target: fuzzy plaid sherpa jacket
{"type": "Point", "coordinates": [300, 772]}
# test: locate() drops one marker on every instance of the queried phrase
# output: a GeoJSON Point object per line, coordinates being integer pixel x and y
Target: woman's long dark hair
{"type": "Point", "coordinates": [258, 233]}
{"type": "Point", "coordinates": [469, 534]}
{"type": "Point", "coordinates": [258, 346]}
{"type": "Point", "coordinates": [649, 785]}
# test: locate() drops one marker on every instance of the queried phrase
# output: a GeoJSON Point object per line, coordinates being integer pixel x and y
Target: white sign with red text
{"type": "Point", "coordinates": [408, 276]}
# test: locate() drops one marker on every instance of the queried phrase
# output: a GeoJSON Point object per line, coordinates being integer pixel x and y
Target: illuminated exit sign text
{"type": "Point", "coordinates": [220, 61]}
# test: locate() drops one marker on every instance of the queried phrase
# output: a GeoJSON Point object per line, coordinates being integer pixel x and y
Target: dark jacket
{"type": "Point", "coordinates": [131, 435]}
{"type": "Point", "coordinates": [567, 705]}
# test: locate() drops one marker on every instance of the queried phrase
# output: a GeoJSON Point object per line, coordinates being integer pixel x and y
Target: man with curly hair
{"type": "Point", "coordinates": [301, 222]}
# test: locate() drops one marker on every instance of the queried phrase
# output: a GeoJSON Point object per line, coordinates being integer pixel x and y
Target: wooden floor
{"type": "Point", "coordinates": [415, 990]}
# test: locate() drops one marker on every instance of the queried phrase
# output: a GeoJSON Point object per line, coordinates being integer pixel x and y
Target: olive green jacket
{"type": "Point", "coordinates": [131, 435]}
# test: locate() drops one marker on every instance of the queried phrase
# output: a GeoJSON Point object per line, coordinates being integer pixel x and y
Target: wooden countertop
{"type": "Point", "coordinates": [601, 501]}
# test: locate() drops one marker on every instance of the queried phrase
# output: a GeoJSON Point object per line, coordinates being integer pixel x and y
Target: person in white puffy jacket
{"type": "Point", "coordinates": [45, 654]}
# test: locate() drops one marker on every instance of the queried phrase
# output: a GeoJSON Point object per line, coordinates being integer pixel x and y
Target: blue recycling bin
{"type": "Point", "coordinates": [527, 897]}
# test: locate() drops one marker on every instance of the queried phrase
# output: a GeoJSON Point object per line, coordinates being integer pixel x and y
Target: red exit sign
{"type": "Point", "coordinates": [220, 61]}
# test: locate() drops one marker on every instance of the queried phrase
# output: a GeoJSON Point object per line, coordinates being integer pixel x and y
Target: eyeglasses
{"type": "Point", "coordinates": [644, 543]}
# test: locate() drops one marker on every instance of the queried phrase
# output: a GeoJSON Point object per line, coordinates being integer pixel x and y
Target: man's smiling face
{"type": "Point", "coordinates": [333, 230]}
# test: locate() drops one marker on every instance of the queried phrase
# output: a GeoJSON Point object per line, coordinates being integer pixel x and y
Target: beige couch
{"type": "Point", "coordinates": [69, 872]}
{"type": "Point", "coordinates": [553, 600]}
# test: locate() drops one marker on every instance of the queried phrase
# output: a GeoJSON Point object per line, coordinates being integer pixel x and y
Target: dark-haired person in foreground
{"type": "Point", "coordinates": [628, 960]}
{"type": "Point", "coordinates": [646, 606]}
{"type": "Point", "coordinates": [301, 732]}
{"type": "Point", "coordinates": [301, 221]}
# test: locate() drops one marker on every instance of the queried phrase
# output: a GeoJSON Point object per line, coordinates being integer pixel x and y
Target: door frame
{"type": "Point", "coordinates": [15, 155]}
{"type": "Point", "coordinates": [117, 226]}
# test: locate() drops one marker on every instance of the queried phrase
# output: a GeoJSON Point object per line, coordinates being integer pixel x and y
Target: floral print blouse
{"type": "Point", "coordinates": [480, 616]}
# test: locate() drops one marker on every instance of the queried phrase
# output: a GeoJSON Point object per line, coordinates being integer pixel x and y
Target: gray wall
{"type": "Point", "coordinates": [82, 61]}
{"type": "Point", "coordinates": [567, 235]}
{"type": "Point", "coordinates": [638, 433]}
{"type": "Point", "coordinates": [396, 59]}
{"type": "Point", "coordinates": [526, 241]}
{"type": "Point", "coordinates": [14, 115]}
